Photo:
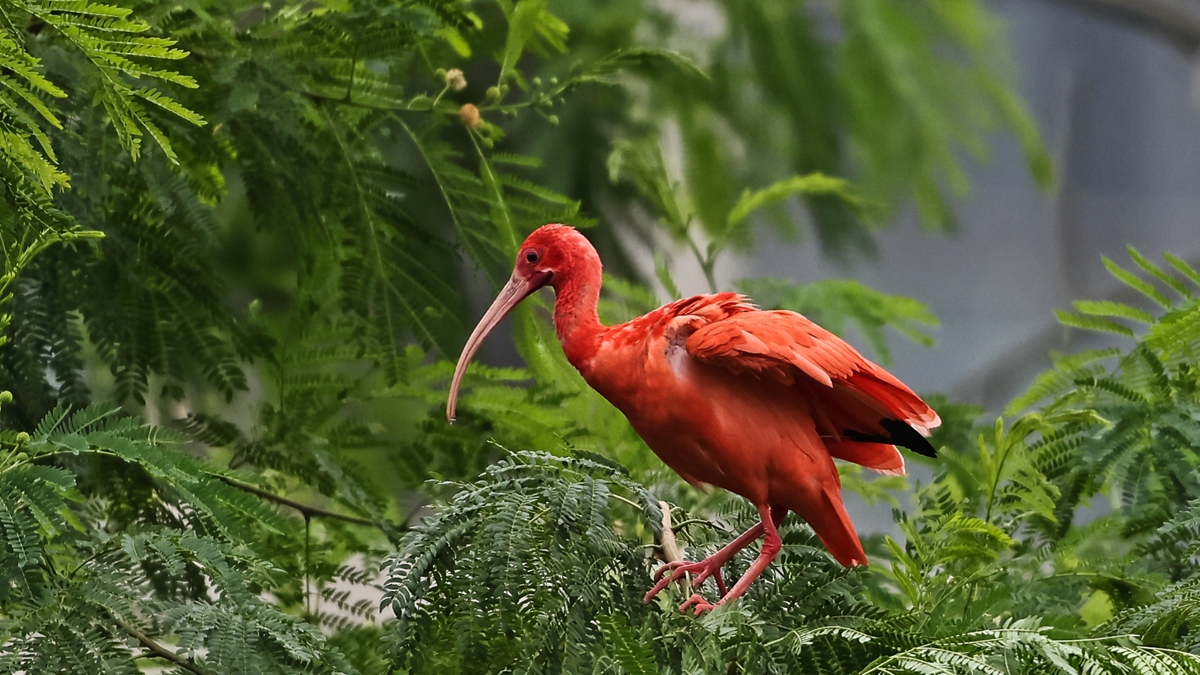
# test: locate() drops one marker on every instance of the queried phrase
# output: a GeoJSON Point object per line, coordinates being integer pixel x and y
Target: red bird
{"type": "Point", "coordinates": [758, 403]}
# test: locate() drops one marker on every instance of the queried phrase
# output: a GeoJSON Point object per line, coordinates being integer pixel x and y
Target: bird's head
{"type": "Point", "coordinates": [547, 257]}
{"type": "Point", "coordinates": [551, 253]}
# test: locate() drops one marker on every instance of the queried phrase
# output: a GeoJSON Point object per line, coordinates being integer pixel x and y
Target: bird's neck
{"type": "Point", "coordinates": [575, 318]}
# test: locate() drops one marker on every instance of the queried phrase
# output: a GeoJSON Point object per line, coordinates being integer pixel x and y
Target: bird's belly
{"type": "Point", "coordinates": [712, 428]}
{"type": "Point", "coordinates": [686, 453]}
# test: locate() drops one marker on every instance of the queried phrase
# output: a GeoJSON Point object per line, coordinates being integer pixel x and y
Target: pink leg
{"type": "Point", "coordinates": [711, 566]}
{"type": "Point", "coordinates": [770, 549]}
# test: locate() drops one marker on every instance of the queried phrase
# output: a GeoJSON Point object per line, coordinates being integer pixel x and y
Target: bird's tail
{"type": "Point", "coordinates": [828, 518]}
{"type": "Point", "coordinates": [881, 457]}
{"type": "Point", "coordinates": [885, 389]}
{"type": "Point", "coordinates": [814, 492]}
{"type": "Point", "coordinates": [864, 418]}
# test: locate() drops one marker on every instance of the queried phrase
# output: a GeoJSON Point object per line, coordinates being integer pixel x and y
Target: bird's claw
{"type": "Point", "coordinates": [702, 569]}
{"type": "Point", "coordinates": [697, 603]}
{"type": "Point", "coordinates": [669, 566]}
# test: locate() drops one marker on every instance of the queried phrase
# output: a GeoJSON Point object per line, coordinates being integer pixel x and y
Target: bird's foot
{"type": "Point", "coordinates": [703, 569]}
{"type": "Point", "coordinates": [698, 604]}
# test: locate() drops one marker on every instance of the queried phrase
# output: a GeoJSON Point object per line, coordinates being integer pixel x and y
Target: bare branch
{"type": "Point", "coordinates": [158, 650]}
{"type": "Point", "coordinates": [305, 509]}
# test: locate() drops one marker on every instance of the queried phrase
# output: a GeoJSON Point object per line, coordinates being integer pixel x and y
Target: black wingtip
{"type": "Point", "coordinates": [905, 435]}
{"type": "Point", "coordinates": [898, 433]}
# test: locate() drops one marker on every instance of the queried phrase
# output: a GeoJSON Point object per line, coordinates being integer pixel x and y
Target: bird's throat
{"type": "Point", "coordinates": [575, 318]}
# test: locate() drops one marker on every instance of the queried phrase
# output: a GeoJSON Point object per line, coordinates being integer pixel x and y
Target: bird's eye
{"type": "Point", "coordinates": [532, 257]}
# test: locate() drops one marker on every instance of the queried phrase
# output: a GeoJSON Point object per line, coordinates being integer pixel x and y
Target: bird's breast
{"type": "Point", "coordinates": [680, 410]}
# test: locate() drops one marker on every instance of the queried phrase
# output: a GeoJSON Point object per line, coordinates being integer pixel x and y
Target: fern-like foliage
{"type": "Point", "coordinates": [118, 54]}
{"type": "Point", "coordinates": [293, 99]}
{"type": "Point", "coordinates": [539, 566]}
{"type": "Point", "coordinates": [79, 586]}
{"type": "Point", "coordinates": [482, 562]}
{"type": "Point", "coordinates": [344, 137]}
{"type": "Point", "coordinates": [468, 581]}
{"type": "Point", "coordinates": [81, 65]}
{"type": "Point", "coordinates": [113, 55]}
{"type": "Point", "coordinates": [1172, 617]}
{"type": "Point", "coordinates": [1124, 422]}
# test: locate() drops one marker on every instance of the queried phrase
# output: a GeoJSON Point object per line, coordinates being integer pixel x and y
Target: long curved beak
{"type": "Point", "coordinates": [517, 289]}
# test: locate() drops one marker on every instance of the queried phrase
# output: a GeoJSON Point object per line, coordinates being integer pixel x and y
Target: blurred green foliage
{"type": "Point", "coordinates": [261, 229]}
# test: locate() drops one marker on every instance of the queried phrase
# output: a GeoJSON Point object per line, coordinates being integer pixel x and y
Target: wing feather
{"type": "Point", "coordinates": [853, 393]}
{"type": "Point", "coordinates": [775, 343]}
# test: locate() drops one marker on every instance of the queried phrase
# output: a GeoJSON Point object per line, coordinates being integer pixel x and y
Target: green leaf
{"type": "Point", "coordinates": [664, 275]}
{"type": "Point", "coordinates": [811, 184]}
{"type": "Point", "coordinates": [1117, 309]}
{"type": "Point", "coordinates": [642, 162]}
{"type": "Point", "coordinates": [1184, 268]}
{"type": "Point", "coordinates": [169, 105]}
{"type": "Point", "coordinates": [524, 20]}
{"type": "Point", "coordinates": [1092, 323]}
{"type": "Point", "coordinates": [631, 653]}
{"type": "Point", "coordinates": [645, 58]}
{"type": "Point", "coordinates": [1131, 280]}
{"type": "Point", "coordinates": [516, 160]}
{"type": "Point", "coordinates": [1157, 273]}
{"type": "Point", "coordinates": [1177, 331]}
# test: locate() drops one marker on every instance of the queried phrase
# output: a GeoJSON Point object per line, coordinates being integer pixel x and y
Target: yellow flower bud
{"type": "Point", "coordinates": [469, 115]}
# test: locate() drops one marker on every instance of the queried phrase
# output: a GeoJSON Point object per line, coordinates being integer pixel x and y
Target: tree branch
{"type": "Point", "coordinates": [158, 650]}
{"type": "Point", "coordinates": [305, 509]}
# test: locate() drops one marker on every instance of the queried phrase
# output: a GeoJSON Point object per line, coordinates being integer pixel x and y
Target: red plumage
{"type": "Point", "coordinates": [755, 402]}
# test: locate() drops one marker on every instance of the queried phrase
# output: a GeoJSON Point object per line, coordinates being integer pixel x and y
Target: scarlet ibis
{"type": "Point", "coordinates": [756, 402]}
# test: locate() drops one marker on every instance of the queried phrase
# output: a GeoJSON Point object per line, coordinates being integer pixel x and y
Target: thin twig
{"type": "Point", "coordinates": [159, 650]}
{"type": "Point", "coordinates": [307, 539]}
{"type": "Point", "coordinates": [626, 500]}
{"type": "Point", "coordinates": [305, 509]}
{"type": "Point", "coordinates": [699, 521]}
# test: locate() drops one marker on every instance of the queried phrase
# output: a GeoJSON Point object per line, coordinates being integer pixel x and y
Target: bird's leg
{"type": "Point", "coordinates": [770, 548]}
{"type": "Point", "coordinates": [711, 566]}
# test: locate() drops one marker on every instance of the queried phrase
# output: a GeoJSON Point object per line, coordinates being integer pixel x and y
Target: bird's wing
{"type": "Point", "coordinates": [778, 344]}
{"type": "Point", "coordinates": [856, 403]}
